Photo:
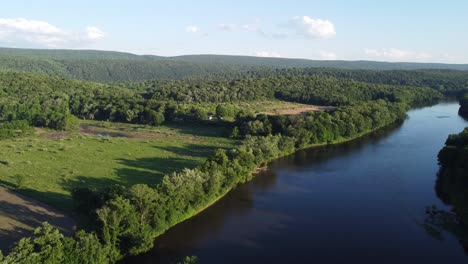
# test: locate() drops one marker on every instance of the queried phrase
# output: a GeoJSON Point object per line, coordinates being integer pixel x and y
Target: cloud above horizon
{"type": "Point", "coordinates": [22, 30]}
{"type": "Point", "coordinates": [253, 26]}
{"type": "Point", "coordinates": [314, 28]}
{"type": "Point", "coordinates": [326, 55]}
{"type": "Point", "coordinates": [95, 33]}
{"type": "Point", "coordinates": [268, 54]}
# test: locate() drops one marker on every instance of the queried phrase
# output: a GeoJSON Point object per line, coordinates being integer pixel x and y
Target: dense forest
{"type": "Point", "coordinates": [448, 82]}
{"type": "Point", "coordinates": [289, 85]}
{"type": "Point", "coordinates": [110, 70]}
{"type": "Point", "coordinates": [55, 102]}
{"type": "Point", "coordinates": [108, 66]}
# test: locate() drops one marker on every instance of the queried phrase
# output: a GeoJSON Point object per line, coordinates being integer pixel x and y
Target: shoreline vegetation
{"type": "Point", "coordinates": [264, 167]}
{"type": "Point", "coordinates": [451, 188]}
{"type": "Point", "coordinates": [464, 106]}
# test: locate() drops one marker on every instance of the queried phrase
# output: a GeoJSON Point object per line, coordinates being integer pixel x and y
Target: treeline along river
{"type": "Point", "coordinates": [362, 202]}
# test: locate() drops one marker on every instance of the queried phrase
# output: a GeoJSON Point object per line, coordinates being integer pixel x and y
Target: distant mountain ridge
{"type": "Point", "coordinates": [300, 63]}
{"type": "Point", "coordinates": [113, 66]}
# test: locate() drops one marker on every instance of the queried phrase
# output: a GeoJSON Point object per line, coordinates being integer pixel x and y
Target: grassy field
{"type": "Point", "coordinates": [47, 165]}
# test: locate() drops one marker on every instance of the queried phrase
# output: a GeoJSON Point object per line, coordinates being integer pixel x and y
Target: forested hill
{"type": "Point", "coordinates": [302, 63]}
{"type": "Point", "coordinates": [110, 66]}
{"type": "Point", "coordinates": [64, 54]}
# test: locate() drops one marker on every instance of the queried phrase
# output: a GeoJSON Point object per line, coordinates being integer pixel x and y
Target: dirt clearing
{"type": "Point", "coordinates": [296, 110]}
{"type": "Point", "coordinates": [19, 215]}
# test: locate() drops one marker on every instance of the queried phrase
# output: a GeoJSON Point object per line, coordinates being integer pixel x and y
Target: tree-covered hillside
{"type": "Point", "coordinates": [109, 66]}
{"type": "Point", "coordinates": [64, 54]}
{"type": "Point", "coordinates": [111, 70]}
{"type": "Point", "coordinates": [289, 85]}
{"type": "Point", "coordinates": [448, 82]}
{"type": "Point", "coordinates": [302, 63]}
{"type": "Point", "coordinates": [53, 102]}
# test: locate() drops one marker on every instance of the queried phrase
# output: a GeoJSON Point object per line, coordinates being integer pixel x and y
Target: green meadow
{"type": "Point", "coordinates": [48, 164]}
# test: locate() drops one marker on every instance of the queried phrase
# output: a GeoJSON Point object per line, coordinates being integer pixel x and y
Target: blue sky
{"type": "Point", "coordinates": [422, 31]}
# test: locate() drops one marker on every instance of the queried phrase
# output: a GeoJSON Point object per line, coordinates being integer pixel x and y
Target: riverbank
{"type": "Point", "coordinates": [464, 107]}
{"type": "Point", "coordinates": [263, 168]}
{"type": "Point", "coordinates": [295, 210]}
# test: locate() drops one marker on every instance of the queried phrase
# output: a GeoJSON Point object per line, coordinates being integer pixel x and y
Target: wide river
{"type": "Point", "coordinates": [360, 202]}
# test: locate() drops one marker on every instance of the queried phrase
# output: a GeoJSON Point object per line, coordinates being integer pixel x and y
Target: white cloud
{"type": "Point", "coordinates": [325, 55]}
{"type": "Point", "coordinates": [313, 27]}
{"type": "Point", "coordinates": [95, 33]}
{"type": "Point", "coordinates": [270, 54]}
{"type": "Point", "coordinates": [395, 54]}
{"type": "Point", "coordinates": [28, 26]}
{"type": "Point", "coordinates": [192, 29]}
{"type": "Point", "coordinates": [251, 27]}
{"type": "Point", "coordinates": [229, 27]}
{"type": "Point", "coordinates": [21, 30]}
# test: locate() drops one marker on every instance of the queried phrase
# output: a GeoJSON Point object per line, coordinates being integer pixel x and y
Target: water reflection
{"type": "Point", "coordinates": [196, 231]}
{"type": "Point", "coordinates": [304, 159]}
{"type": "Point", "coordinates": [465, 117]}
{"type": "Point", "coordinates": [452, 189]}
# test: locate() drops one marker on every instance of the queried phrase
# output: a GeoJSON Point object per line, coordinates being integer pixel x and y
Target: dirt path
{"type": "Point", "coordinates": [19, 215]}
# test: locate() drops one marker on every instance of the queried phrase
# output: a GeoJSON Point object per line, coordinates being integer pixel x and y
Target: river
{"type": "Point", "coordinates": [359, 202]}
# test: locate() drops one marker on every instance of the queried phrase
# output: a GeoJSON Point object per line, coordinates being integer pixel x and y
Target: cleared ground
{"type": "Point", "coordinates": [19, 215]}
{"type": "Point", "coordinates": [296, 109]}
{"type": "Point", "coordinates": [280, 107]}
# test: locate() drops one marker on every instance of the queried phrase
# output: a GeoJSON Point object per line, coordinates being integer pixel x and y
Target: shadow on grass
{"type": "Point", "coordinates": [151, 170]}
{"type": "Point", "coordinates": [203, 129]}
{"type": "Point", "coordinates": [59, 200]}
{"type": "Point", "coordinates": [190, 150]}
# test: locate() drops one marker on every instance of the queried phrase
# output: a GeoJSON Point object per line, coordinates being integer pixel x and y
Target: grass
{"type": "Point", "coordinates": [49, 164]}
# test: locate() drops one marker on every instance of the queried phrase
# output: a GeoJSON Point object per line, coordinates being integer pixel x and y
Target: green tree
{"type": "Point", "coordinates": [222, 111]}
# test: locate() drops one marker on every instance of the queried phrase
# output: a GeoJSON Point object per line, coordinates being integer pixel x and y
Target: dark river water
{"type": "Point", "coordinates": [359, 202]}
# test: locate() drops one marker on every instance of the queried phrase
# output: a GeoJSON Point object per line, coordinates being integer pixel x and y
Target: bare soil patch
{"type": "Point", "coordinates": [57, 135]}
{"type": "Point", "coordinates": [298, 110]}
{"type": "Point", "coordinates": [85, 129]}
{"type": "Point", "coordinates": [19, 215]}
{"type": "Point", "coordinates": [40, 131]}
